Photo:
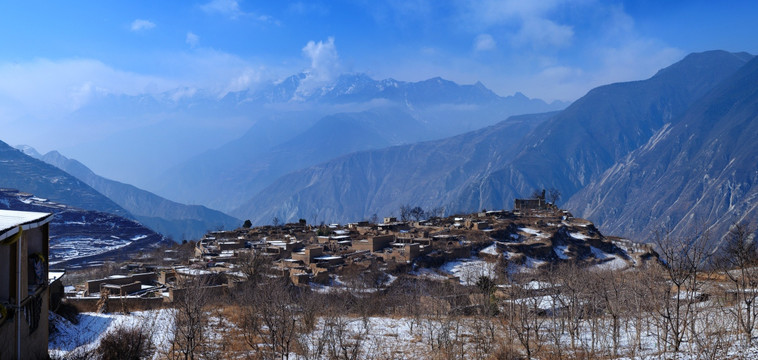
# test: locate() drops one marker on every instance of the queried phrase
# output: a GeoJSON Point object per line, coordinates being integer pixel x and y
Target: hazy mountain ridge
{"type": "Point", "coordinates": [697, 172]}
{"type": "Point", "coordinates": [164, 216]}
{"type": "Point", "coordinates": [251, 171]}
{"type": "Point", "coordinates": [20, 171]}
{"type": "Point", "coordinates": [372, 114]}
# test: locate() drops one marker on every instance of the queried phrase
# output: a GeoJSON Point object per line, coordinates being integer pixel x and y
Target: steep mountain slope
{"type": "Point", "coordinates": [565, 152]}
{"type": "Point", "coordinates": [83, 237]}
{"type": "Point", "coordinates": [599, 129]}
{"type": "Point", "coordinates": [355, 113]}
{"type": "Point", "coordinates": [700, 170]}
{"type": "Point", "coordinates": [20, 171]}
{"type": "Point", "coordinates": [172, 219]}
{"type": "Point", "coordinates": [358, 185]}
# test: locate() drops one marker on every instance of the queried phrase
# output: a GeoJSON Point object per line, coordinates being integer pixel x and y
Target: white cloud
{"type": "Point", "coordinates": [493, 12]}
{"type": "Point", "coordinates": [636, 60]}
{"type": "Point", "coordinates": [325, 63]}
{"type": "Point", "coordinates": [229, 8]}
{"type": "Point", "coordinates": [484, 42]}
{"type": "Point", "coordinates": [542, 32]}
{"type": "Point", "coordinates": [66, 85]}
{"type": "Point", "coordinates": [141, 25]}
{"type": "Point", "coordinates": [192, 39]}
{"type": "Point", "coordinates": [528, 22]}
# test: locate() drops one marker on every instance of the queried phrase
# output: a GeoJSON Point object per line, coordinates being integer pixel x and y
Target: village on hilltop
{"type": "Point", "coordinates": [459, 248]}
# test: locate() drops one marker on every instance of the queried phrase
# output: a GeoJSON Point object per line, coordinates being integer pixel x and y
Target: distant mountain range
{"type": "Point", "coordinates": [371, 114]}
{"type": "Point", "coordinates": [611, 126]}
{"type": "Point", "coordinates": [178, 221]}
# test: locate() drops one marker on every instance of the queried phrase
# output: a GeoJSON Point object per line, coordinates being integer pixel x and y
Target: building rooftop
{"type": "Point", "coordinates": [10, 220]}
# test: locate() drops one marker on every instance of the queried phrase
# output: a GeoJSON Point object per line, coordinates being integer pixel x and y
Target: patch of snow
{"type": "Point", "coordinates": [530, 231]}
{"type": "Point", "coordinates": [490, 250]}
{"type": "Point", "coordinates": [469, 270]}
{"type": "Point", "coordinates": [85, 336]}
{"type": "Point", "coordinates": [615, 264]}
{"type": "Point", "coordinates": [561, 252]}
{"type": "Point", "coordinates": [579, 236]}
{"type": "Point", "coordinates": [599, 254]}
{"type": "Point", "coordinates": [429, 274]}
{"type": "Point", "coordinates": [533, 263]}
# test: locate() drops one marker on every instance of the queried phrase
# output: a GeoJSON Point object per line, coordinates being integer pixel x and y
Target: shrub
{"type": "Point", "coordinates": [123, 342]}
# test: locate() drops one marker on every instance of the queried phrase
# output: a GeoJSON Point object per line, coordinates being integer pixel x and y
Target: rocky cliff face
{"type": "Point", "coordinates": [574, 147]}
{"type": "Point", "coordinates": [696, 174]}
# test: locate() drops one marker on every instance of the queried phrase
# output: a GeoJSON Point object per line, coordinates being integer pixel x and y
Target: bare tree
{"type": "Point", "coordinates": [405, 212]}
{"type": "Point", "coordinates": [611, 290]}
{"type": "Point", "coordinates": [417, 213]}
{"type": "Point", "coordinates": [254, 264]}
{"type": "Point", "coordinates": [684, 258]}
{"type": "Point", "coordinates": [436, 212]}
{"type": "Point", "coordinates": [739, 262]}
{"type": "Point", "coordinates": [271, 318]}
{"type": "Point", "coordinates": [553, 195]}
{"type": "Point", "coordinates": [521, 314]}
{"type": "Point", "coordinates": [536, 194]}
{"type": "Point", "coordinates": [191, 299]}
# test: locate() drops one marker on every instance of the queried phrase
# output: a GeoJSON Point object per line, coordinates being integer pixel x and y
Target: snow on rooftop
{"type": "Point", "coordinates": [10, 220]}
{"type": "Point", "coordinates": [328, 257]}
{"type": "Point", "coordinates": [54, 275]}
{"type": "Point", "coordinates": [188, 271]}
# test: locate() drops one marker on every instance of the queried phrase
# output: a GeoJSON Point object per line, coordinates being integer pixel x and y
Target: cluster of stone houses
{"type": "Point", "coordinates": [311, 254]}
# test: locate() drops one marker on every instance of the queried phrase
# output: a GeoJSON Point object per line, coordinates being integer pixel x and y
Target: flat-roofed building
{"type": "Point", "coordinates": [24, 291]}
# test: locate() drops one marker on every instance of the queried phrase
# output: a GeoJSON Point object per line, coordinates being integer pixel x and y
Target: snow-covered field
{"type": "Point", "coordinates": [85, 336]}
{"type": "Point", "coordinates": [73, 247]}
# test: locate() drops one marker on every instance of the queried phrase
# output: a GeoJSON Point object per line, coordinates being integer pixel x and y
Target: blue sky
{"type": "Point", "coordinates": [55, 55]}
{"type": "Point", "coordinates": [511, 46]}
